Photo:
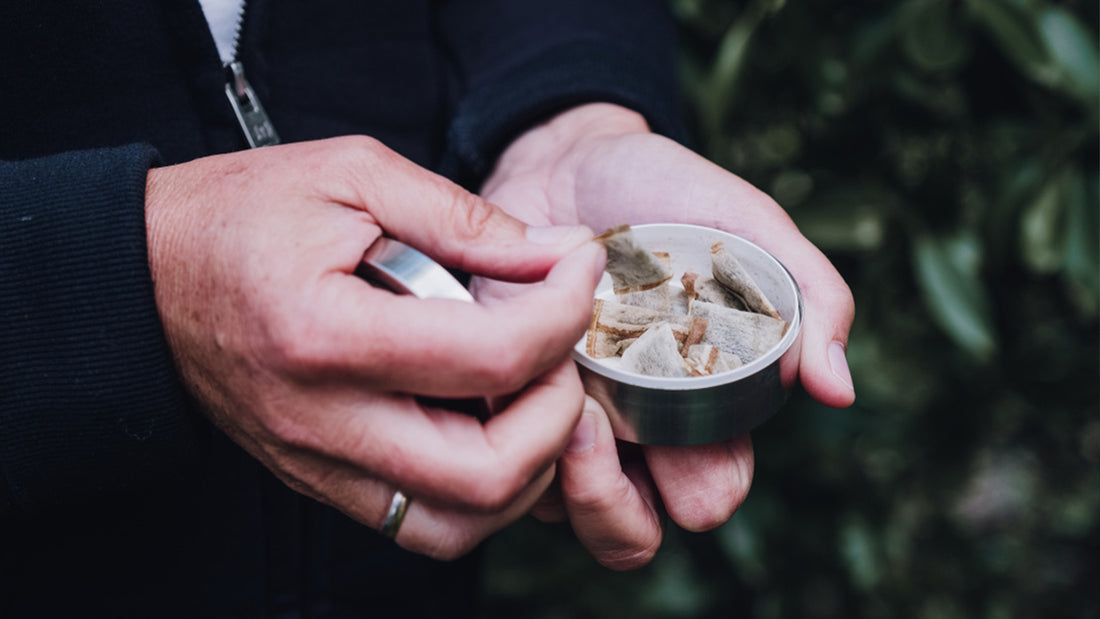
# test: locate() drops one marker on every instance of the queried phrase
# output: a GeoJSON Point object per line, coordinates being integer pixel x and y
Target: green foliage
{"type": "Point", "coordinates": [943, 153]}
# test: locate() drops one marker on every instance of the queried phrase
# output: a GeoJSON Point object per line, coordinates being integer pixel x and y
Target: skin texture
{"type": "Point", "coordinates": [599, 165]}
{"type": "Point", "coordinates": [314, 372]}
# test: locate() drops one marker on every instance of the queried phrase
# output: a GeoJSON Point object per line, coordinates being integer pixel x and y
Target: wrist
{"type": "Point", "coordinates": [553, 148]}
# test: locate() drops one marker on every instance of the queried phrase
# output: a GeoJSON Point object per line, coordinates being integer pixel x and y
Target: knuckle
{"type": "Point", "coordinates": [840, 295]}
{"type": "Point", "coordinates": [293, 347]}
{"type": "Point", "coordinates": [597, 500]}
{"type": "Point", "coordinates": [356, 156]}
{"type": "Point", "coordinates": [828, 294]}
{"type": "Point", "coordinates": [471, 215]}
{"type": "Point", "coordinates": [358, 146]}
{"type": "Point", "coordinates": [291, 435]}
{"type": "Point", "coordinates": [839, 298]}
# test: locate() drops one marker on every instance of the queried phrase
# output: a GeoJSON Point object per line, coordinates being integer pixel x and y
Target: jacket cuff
{"type": "Point", "coordinates": [90, 399]}
{"type": "Point", "coordinates": [493, 114]}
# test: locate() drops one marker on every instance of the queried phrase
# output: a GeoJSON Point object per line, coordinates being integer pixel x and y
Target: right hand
{"type": "Point", "coordinates": [314, 372]}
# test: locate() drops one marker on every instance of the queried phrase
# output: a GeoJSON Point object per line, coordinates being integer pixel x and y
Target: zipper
{"type": "Point", "coordinates": [254, 121]}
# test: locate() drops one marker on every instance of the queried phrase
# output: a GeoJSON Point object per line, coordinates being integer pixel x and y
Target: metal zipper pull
{"type": "Point", "coordinates": [254, 121]}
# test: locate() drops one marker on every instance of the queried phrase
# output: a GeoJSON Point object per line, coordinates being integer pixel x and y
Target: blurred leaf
{"type": "Point", "coordinates": [717, 97]}
{"type": "Point", "coordinates": [1014, 29]}
{"type": "Point", "coordinates": [1075, 513]}
{"type": "Point", "coordinates": [857, 546]}
{"type": "Point", "coordinates": [890, 372]}
{"type": "Point", "coordinates": [1019, 179]}
{"type": "Point", "coordinates": [705, 19]}
{"type": "Point", "coordinates": [933, 37]}
{"type": "Point", "coordinates": [791, 187]}
{"type": "Point", "coordinates": [1042, 227]}
{"type": "Point", "coordinates": [954, 295]}
{"type": "Point", "coordinates": [842, 220]}
{"type": "Point", "coordinates": [687, 11]}
{"type": "Point", "coordinates": [965, 252]}
{"type": "Point", "coordinates": [1000, 489]}
{"type": "Point", "coordinates": [1073, 47]}
{"type": "Point", "coordinates": [871, 40]}
{"type": "Point", "coordinates": [678, 591]}
{"type": "Point", "coordinates": [1082, 244]}
{"type": "Point", "coordinates": [740, 540]}
{"type": "Point", "coordinates": [940, 607]}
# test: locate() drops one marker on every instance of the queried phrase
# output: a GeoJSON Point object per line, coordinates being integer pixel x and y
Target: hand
{"type": "Point", "coordinates": [599, 165]}
{"type": "Point", "coordinates": [314, 372]}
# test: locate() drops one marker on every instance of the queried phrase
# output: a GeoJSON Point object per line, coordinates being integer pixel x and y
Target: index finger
{"type": "Point", "coordinates": [443, 348]}
{"type": "Point", "coordinates": [442, 219]}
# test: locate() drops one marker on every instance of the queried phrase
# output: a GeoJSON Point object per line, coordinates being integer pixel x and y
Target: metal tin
{"type": "Point", "coordinates": [404, 270]}
{"type": "Point", "coordinates": [699, 410]}
{"type": "Point", "coordinates": [397, 267]}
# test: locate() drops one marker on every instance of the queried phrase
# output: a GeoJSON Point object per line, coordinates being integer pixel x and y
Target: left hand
{"type": "Point", "coordinates": [599, 165]}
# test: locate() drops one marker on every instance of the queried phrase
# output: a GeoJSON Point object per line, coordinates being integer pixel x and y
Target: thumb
{"type": "Point", "coordinates": [452, 225]}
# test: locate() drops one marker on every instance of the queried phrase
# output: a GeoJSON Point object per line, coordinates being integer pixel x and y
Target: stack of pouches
{"type": "Point", "coordinates": [713, 324]}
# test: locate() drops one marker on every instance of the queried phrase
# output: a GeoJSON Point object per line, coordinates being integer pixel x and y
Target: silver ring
{"type": "Point", "coordinates": [398, 506]}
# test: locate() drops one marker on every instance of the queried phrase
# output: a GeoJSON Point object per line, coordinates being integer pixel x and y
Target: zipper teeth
{"type": "Point", "coordinates": [237, 29]}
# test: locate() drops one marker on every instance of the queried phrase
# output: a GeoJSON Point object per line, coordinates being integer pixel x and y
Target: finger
{"type": "Point", "coordinates": [440, 218]}
{"type": "Point", "coordinates": [609, 514]}
{"type": "Point", "coordinates": [702, 486]}
{"type": "Point", "coordinates": [446, 534]}
{"type": "Point", "coordinates": [829, 310]}
{"type": "Point", "coordinates": [824, 366]}
{"type": "Point", "coordinates": [450, 457]}
{"type": "Point", "coordinates": [490, 290]}
{"type": "Point", "coordinates": [442, 348]}
{"type": "Point", "coordinates": [550, 507]}
{"type": "Point", "coordinates": [441, 532]}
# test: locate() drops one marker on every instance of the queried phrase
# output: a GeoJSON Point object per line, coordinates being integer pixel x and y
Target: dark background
{"type": "Point", "coordinates": [944, 155]}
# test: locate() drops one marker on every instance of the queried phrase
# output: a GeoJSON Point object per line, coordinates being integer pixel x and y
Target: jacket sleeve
{"type": "Point", "coordinates": [89, 402]}
{"type": "Point", "coordinates": [520, 62]}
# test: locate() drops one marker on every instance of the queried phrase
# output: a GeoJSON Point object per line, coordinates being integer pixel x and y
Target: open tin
{"type": "Point", "coordinates": [698, 410]}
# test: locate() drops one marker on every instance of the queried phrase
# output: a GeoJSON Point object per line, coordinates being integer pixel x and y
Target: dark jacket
{"type": "Point", "coordinates": [116, 497]}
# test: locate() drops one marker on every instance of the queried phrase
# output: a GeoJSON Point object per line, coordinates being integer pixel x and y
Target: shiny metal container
{"type": "Point", "coordinates": [404, 270]}
{"type": "Point", "coordinates": [699, 410]}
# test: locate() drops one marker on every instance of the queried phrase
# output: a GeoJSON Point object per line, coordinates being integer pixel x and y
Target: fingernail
{"type": "Point", "coordinates": [839, 364]}
{"type": "Point", "coordinates": [559, 235]}
{"type": "Point", "coordinates": [584, 435]}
